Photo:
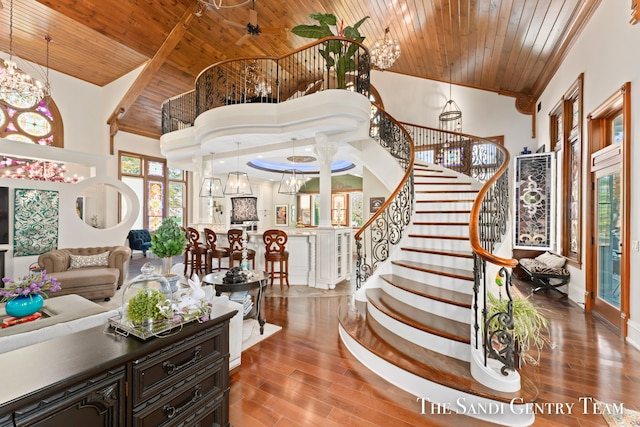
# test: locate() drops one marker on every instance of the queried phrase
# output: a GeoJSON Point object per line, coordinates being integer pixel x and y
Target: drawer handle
{"type": "Point", "coordinates": [170, 368]}
{"type": "Point", "coordinates": [171, 411]}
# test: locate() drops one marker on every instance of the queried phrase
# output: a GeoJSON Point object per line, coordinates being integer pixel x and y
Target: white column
{"type": "Point", "coordinates": [325, 150]}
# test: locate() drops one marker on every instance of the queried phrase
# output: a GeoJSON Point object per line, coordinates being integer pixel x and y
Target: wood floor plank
{"type": "Point", "coordinates": [307, 355]}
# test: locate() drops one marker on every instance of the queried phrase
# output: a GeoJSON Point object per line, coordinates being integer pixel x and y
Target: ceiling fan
{"type": "Point", "coordinates": [252, 28]}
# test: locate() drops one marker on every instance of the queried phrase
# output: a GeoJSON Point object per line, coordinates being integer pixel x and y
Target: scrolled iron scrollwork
{"type": "Point", "coordinates": [499, 342]}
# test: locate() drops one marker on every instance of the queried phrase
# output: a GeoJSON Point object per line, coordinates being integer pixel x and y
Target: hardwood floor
{"type": "Point", "coordinates": [304, 375]}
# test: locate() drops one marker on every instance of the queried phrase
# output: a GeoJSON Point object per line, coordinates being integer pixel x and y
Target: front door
{"type": "Point", "coordinates": [607, 245]}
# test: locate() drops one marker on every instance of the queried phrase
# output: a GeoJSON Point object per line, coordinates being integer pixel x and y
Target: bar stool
{"type": "Point", "coordinates": [275, 242]}
{"type": "Point", "coordinates": [210, 238]}
{"type": "Point", "coordinates": [235, 247]}
{"type": "Point", "coordinates": [195, 256]}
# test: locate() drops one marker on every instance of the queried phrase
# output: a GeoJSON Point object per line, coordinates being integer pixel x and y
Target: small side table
{"type": "Point", "coordinates": [258, 281]}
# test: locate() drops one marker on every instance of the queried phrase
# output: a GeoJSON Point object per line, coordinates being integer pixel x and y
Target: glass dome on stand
{"type": "Point", "coordinates": [147, 306]}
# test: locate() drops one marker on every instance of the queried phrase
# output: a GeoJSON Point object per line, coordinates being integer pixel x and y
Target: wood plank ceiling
{"type": "Point", "coordinates": [511, 47]}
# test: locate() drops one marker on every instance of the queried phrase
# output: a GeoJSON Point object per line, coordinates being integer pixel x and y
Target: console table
{"type": "Point", "coordinates": [98, 378]}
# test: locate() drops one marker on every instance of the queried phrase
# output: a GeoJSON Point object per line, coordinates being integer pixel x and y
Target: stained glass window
{"type": "Point", "coordinates": [155, 168]}
{"type": "Point", "coordinates": [155, 204]}
{"type": "Point", "coordinates": [131, 165]}
{"type": "Point", "coordinates": [36, 124]}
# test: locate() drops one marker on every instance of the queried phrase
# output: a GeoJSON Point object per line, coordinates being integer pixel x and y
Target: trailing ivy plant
{"type": "Point", "coordinates": [530, 327]}
{"type": "Point", "coordinates": [334, 54]}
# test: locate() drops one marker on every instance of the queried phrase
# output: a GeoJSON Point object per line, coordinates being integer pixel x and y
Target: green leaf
{"type": "Point", "coordinates": [335, 47]}
{"type": "Point", "coordinates": [312, 31]}
{"type": "Point", "coordinates": [352, 32]}
{"type": "Point", "coordinates": [324, 18]}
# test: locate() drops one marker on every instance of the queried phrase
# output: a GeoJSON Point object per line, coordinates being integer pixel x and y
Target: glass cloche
{"type": "Point", "coordinates": [147, 305]}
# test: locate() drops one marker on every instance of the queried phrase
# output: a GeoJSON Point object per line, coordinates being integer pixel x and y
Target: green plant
{"type": "Point", "coordinates": [145, 305]}
{"type": "Point", "coordinates": [169, 239]}
{"type": "Point", "coordinates": [334, 54]}
{"type": "Point", "coordinates": [530, 326]}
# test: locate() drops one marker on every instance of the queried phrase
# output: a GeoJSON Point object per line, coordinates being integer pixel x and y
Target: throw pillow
{"type": "Point", "coordinates": [82, 261]}
{"type": "Point", "coordinates": [551, 260]}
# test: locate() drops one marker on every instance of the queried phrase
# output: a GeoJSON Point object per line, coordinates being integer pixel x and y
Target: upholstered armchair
{"type": "Point", "coordinates": [140, 240]}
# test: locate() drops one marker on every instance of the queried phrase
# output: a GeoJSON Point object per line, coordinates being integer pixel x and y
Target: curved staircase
{"type": "Point", "coordinates": [412, 321]}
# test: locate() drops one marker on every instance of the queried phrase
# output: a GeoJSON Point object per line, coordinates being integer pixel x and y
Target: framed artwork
{"type": "Point", "coordinates": [534, 197]}
{"type": "Point", "coordinates": [281, 215]}
{"type": "Point", "coordinates": [80, 206]}
{"type": "Point", "coordinates": [35, 219]}
{"type": "Point", "coordinates": [339, 210]}
{"type": "Point", "coordinates": [375, 203]}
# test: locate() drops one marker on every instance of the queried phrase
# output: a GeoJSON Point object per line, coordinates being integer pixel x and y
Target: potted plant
{"type": "Point", "coordinates": [335, 53]}
{"type": "Point", "coordinates": [168, 241]}
{"type": "Point", "coordinates": [24, 297]}
{"type": "Point", "coordinates": [530, 327]}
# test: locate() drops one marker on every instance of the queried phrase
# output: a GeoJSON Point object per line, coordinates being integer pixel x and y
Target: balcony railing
{"type": "Point", "coordinates": [272, 79]}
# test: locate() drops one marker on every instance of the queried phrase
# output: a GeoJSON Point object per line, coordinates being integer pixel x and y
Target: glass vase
{"type": "Point", "coordinates": [22, 305]}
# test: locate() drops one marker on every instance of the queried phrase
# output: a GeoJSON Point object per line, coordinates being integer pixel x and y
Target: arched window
{"type": "Point", "coordinates": [36, 124]}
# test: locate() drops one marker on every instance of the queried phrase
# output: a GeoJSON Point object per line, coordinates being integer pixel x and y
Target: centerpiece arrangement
{"type": "Point", "coordinates": [150, 308]}
{"type": "Point", "coordinates": [24, 296]}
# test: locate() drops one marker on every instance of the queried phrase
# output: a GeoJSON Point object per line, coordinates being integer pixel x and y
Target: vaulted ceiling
{"type": "Point", "coordinates": [511, 47]}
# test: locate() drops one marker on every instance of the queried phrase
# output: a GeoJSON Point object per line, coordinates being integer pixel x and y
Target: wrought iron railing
{"type": "Point", "coordinates": [384, 229]}
{"type": "Point", "coordinates": [305, 71]}
{"type": "Point", "coordinates": [486, 161]}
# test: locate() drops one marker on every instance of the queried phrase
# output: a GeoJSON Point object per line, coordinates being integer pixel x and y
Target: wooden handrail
{"type": "Point", "coordinates": [405, 178]}
{"type": "Point", "coordinates": [474, 218]}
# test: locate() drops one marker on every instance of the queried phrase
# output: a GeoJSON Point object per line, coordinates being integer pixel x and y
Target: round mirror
{"type": "Point", "coordinates": [97, 205]}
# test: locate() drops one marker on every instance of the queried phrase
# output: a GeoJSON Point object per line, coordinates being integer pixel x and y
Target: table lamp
{"type": "Point", "coordinates": [244, 210]}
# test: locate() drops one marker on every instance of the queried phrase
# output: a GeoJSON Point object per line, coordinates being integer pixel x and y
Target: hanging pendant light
{"type": "Point", "coordinates": [17, 86]}
{"type": "Point", "coordinates": [451, 115]}
{"type": "Point", "coordinates": [292, 179]}
{"type": "Point", "coordinates": [211, 186]}
{"type": "Point", "coordinates": [238, 183]}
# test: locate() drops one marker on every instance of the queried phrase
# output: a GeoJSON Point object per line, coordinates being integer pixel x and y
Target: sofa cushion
{"type": "Point", "coordinates": [551, 260]}
{"type": "Point", "coordinates": [83, 261]}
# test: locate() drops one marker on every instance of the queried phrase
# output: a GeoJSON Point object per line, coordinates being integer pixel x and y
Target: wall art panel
{"type": "Point", "coordinates": [534, 210]}
{"type": "Point", "coordinates": [35, 221]}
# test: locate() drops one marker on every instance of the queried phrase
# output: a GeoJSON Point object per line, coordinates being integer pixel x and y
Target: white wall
{"type": "Point", "coordinates": [420, 101]}
{"type": "Point", "coordinates": [606, 52]}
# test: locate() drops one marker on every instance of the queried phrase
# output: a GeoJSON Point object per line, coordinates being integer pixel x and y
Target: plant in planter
{"type": "Point", "coordinates": [335, 54]}
{"type": "Point", "coordinates": [144, 307]}
{"type": "Point", "coordinates": [168, 241]}
{"type": "Point", "coordinates": [530, 327]}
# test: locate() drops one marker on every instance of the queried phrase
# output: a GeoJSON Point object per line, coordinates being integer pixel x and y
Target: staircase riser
{"type": "Point", "coordinates": [445, 196]}
{"type": "Point", "coordinates": [446, 282]}
{"type": "Point", "coordinates": [443, 260]}
{"type": "Point", "coordinates": [441, 230]}
{"type": "Point", "coordinates": [442, 217]}
{"type": "Point", "coordinates": [428, 305]}
{"type": "Point", "coordinates": [433, 342]}
{"type": "Point", "coordinates": [437, 243]}
{"type": "Point", "coordinates": [463, 205]}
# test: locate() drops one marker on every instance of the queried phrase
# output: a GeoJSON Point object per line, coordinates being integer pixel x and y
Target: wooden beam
{"type": "Point", "coordinates": [153, 66]}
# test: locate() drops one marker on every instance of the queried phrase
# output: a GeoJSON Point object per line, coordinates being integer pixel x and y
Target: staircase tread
{"type": "Point", "coordinates": [445, 201]}
{"type": "Point", "coordinates": [446, 191]}
{"type": "Point", "coordinates": [430, 365]}
{"type": "Point", "coordinates": [447, 212]}
{"type": "Point", "coordinates": [437, 269]}
{"type": "Point", "coordinates": [448, 252]}
{"type": "Point", "coordinates": [440, 223]}
{"type": "Point", "coordinates": [428, 291]}
{"type": "Point", "coordinates": [419, 319]}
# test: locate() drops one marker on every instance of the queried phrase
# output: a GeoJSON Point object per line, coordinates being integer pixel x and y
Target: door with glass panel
{"type": "Point", "coordinates": [607, 244]}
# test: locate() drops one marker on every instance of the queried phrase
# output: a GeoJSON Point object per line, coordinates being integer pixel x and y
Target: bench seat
{"type": "Point", "coordinates": [544, 275]}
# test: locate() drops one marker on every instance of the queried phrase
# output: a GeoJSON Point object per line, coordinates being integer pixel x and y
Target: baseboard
{"type": "Point", "coordinates": [633, 334]}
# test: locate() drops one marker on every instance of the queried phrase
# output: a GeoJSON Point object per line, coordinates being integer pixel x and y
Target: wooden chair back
{"type": "Point", "coordinates": [275, 241]}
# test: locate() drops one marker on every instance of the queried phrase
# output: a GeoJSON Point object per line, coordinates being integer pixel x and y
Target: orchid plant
{"type": "Point", "coordinates": [34, 283]}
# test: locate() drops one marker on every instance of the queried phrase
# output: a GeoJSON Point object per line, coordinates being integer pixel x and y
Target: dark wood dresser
{"type": "Point", "coordinates": [95, 378]}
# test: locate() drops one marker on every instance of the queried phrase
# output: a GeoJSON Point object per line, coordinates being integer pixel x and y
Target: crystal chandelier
{"type": "Point", "coordinates": [292, 179]}
{"type": "Point", "coordinates": [385, 52]}
{"type": "Point", "coordinates": [15, 84]}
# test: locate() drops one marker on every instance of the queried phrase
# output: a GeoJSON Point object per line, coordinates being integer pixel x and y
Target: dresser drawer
{"type": "Point", "coordinates": [210, 413]}
{"type": "Point", "coordinates": [159, 370]}
{"type": "Point", "coordinates": [175, 405]}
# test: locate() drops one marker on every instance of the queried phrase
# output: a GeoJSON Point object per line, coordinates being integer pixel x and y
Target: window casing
{"type": "Point", "coordinates": [566, 139]}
